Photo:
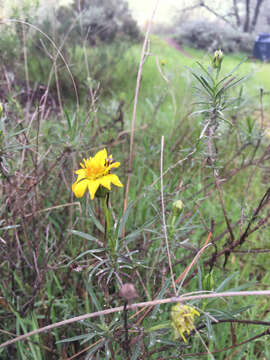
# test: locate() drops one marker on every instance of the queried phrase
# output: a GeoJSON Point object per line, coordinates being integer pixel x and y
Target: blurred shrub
{"type": "Point", "coordinates": [90, 66]}
{"type": "Point", "coordinates": [203, 34]}
{"type": "Point", "coordinates": [9, 42]}
{"type": "Point", "coordinates": [163, 29]}
{"type": "Point", "coordinates": [97, 20]}
{"type": "Point", "coordinates": [92, 35]}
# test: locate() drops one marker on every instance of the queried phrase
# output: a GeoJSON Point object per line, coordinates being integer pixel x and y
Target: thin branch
{"type": "Point", "coordinates": [256, 14]}
{"type": "Point", "coordinates": [266, 332]}
{"type": "Point", "coordinates": [163, 215]}
{"type": "Point", "coordinates": [238, 321]}
{"type": "Point", "coordinates": [246, 24]}
{"type": "Point", "coordinates": [189, 355]}
{"type": "Point", "coordinates": [77, 203]}
{"type": "Point", "coordinates": [217, 179]}
{"type": "Point", "coordinates": [236, 13]}
{"type": "Point", "coordinates": [216, 14]}
{"type": "Point", "coordinates": [131, 153]}
{"type": "Point", "coordinates": [184, 274]}
{"type": "Point", "coordinates": [126, 343]}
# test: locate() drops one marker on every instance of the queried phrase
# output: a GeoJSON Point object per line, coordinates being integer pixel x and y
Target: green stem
{"type": "Point", "coordinates": [107, 233]}
{"type": "Point", "coordinates": [109, 241]}
{"type": "Point", "coordinates": [217, 74]}
{"type": "Point", "coordinates": [171, 227]}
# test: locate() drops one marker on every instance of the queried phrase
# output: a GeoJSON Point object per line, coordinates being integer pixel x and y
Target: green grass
{"type": "Point", "coordinates": [176, 69]}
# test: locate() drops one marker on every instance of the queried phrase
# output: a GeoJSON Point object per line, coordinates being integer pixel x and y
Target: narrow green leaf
{"type": "Point", "coordinates": [85, 236]}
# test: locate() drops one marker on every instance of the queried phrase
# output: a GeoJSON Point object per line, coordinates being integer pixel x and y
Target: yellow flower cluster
{"type": "Point", "coordinates": [182, 319]}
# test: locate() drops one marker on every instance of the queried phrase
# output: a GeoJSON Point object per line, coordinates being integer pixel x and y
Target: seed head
{"type": "Point", "coordinates": [128, 292]}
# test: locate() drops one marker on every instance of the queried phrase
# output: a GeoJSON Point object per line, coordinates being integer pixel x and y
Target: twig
{"type": "Point", "coordinates": [189, 355]}
{"type": "Point", "coordinates": [217, 179]}
{"type": "Point", "coordinates": [125, 312]}
{"type": "Point", "coordinates": [168, 83]}
{"type": "Point", "coordinates": [266, 332]}
{"type": "Point", "coordinates": [183, 276]}
{"type": "Point", "coordinates": [216, 14]}
{"type": "Point", "coordinates": [249, 181]}
{"type": "Point", "coordinates": [25, 62]}
{"type": "Point", "coordinates": [131, 153]}
{"type": "Point", "coordinates": [238, 321]}
{"type": "Point", "coordinates": [163, 215]}
{"type": "Point", "coordinates": [77, 203]}
{"type": "Point", "coordinates": [84, 350]}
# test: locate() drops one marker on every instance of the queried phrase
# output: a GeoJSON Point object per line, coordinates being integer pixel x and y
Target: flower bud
{"type": "Point", "coordinates": [163, 62]}
{"type": "Point", "coordinates": [217, 59]}
{"type": "Point", "coordinates": [101, 192]}
{"type": "Point", "coordinates": [177, 207]}
{"type": "Point", "coordinates": [1, 110]}
{"type": "Point", "coordinates": [208, 281]}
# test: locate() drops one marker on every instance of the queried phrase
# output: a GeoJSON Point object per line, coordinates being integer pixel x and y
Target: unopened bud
{"type": "Point", "coordinates": [1, 110]}
{"type": "Point", "coordinates": [101, 192]}
{"type": "Point", "coordinates": [208, 282]}
{"type": "Point", "coordinates": [128, 292]}
{"type": "Point", "coordinates": [177, 207]}
{"type": "Point", "coordinates": [217, 59]}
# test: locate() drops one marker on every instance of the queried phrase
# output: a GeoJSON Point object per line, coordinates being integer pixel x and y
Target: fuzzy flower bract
{"type": "Point", "coordinates": [182, 319]}
{"type": "Point", "coordinates": [95, 172]}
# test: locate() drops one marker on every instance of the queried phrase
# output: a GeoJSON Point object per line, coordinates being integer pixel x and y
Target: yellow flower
{"type": "Point", "coordinates": [95, 172]}
{"type": "Point", "coordinates": [163, 62]}
{"type": "Point", "coordinates": [182, 319]}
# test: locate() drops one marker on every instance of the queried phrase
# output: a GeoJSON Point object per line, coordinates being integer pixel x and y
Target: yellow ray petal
{"type": "Point", "coordinates": [115, 180]}
{"type": "Point", "coordinates": [80, 172]}
{"type": "Point", "coordinates": [100, 157]}
{"type": "Point", "coordinates": [92, 187]}
{"type": "Point", "coordinates": [79, 188]}
{"type": "Point", "coordinates": [108, 179]}
{"type": "Point", "coordinates": [114, 165]}
{"type": "Point", "coordinates": [106, 182]}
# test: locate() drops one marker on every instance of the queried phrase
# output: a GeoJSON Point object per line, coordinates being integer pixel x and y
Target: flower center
{"type": "Point", "coordinates": [93, 173]}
